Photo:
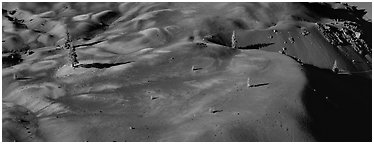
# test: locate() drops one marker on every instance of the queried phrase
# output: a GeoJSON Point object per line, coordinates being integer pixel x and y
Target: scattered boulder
{"type": "Point", "coordinates": [304, 32]}
{"type": "Point", "coordinates": [291, 39]}
{"type": "Point", "coordinates": [201, 45]}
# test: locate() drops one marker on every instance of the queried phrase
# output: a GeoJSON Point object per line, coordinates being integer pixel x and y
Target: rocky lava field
{"type": "Point", "coordinates": [186, 72]}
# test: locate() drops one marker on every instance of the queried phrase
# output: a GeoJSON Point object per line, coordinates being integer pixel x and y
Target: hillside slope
{"type": "Point", "coordinates": [167, 72]}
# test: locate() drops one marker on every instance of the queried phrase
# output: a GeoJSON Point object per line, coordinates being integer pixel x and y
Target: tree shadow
{"type": "Point", "coordinates": [258, 85]}
{"type": "Point", "coordinates": [256, 46]}
{"type": "Point", "coordinates": [102, 65]}
{"type": "Point", "coordinates": [339, 105]}
{"type": "Point", "coordinates": [23, 78]}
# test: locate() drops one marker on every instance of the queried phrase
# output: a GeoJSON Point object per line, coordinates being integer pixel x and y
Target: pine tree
{"type": "Point", "coordinates": [335, 68]}
{"type": "Point", "coordinates": [72, 53]}
{"type": "Point", "coordinates": [15, 76]}
{"type": "Point", "coordinates": [234, 42]}
{"type": "Point", "coordinates": [249, 82]}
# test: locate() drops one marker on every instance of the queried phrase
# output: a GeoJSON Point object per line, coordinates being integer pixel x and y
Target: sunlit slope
{"type": "Point", "coordinates": [165, 99]}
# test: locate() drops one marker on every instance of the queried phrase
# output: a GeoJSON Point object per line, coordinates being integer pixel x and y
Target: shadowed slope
{"type": "Point", "coordinates": [340, 106]}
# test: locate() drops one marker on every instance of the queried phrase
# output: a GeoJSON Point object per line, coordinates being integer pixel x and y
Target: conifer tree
{"type": "Point", "coordinates": [335, 68]}
{"type": "Point", "coordinates": [72, 53]}
{"type": "Point", "coordinates": [249, 82]}
{"type": "Point", "coordinates": [234, 42]}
